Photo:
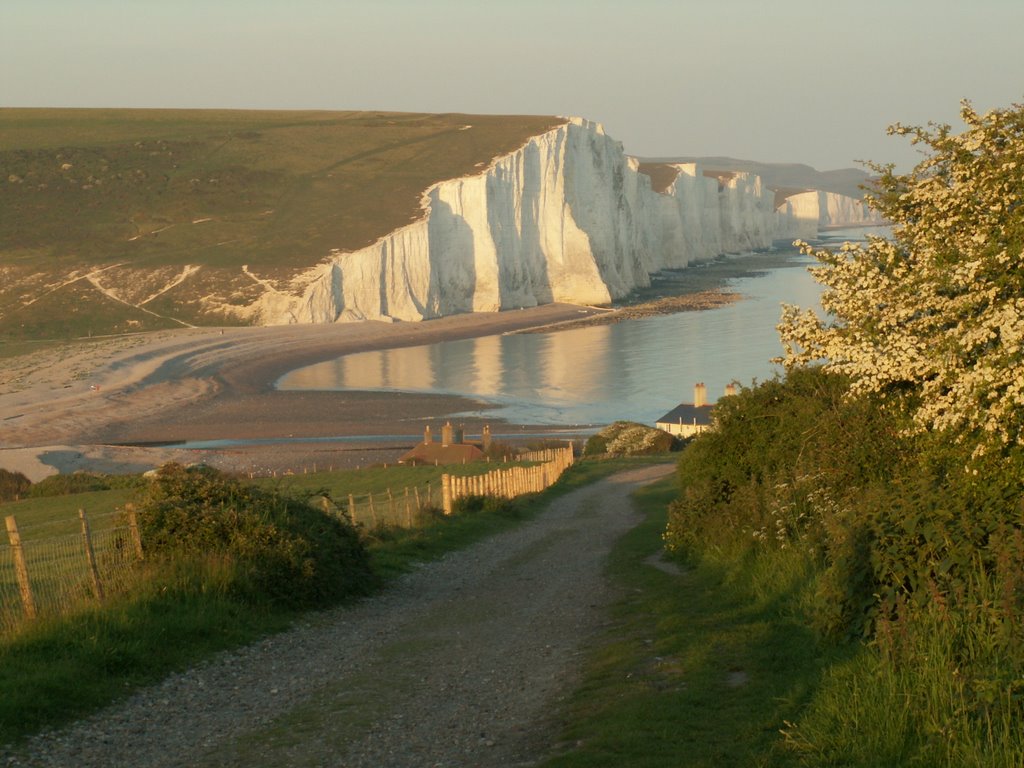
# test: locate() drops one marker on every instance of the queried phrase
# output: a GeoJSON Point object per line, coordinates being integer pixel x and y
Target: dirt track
{"type": "Point", "coordinates": [461, 663]}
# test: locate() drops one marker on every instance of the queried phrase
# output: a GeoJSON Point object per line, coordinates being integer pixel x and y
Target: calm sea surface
{"type": "Point", "coordinates": [635, 369]}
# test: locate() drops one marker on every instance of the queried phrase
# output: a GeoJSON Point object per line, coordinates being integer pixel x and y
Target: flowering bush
{"type": "Point", "coordinates": [627, 438]}
{"type": "Point", "coordinates": [934, 316]}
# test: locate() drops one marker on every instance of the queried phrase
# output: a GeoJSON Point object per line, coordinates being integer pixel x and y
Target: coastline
{"type": "Point", "coordinates": [112, 405]}
{"type": "Point", "coordinates": [125, 404]}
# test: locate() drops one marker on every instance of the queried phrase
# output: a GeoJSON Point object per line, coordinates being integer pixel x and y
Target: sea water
{"type": "Point", "coordinates": [634, 369]}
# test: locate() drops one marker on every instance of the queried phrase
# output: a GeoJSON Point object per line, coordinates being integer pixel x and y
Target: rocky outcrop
{"type": "Point", "coordinates": [568, 217]}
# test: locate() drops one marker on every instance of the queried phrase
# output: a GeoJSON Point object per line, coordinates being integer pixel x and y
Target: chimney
{"type": "Point", "coordinates": [730, 390]}
{"type": "Point", "coordinates": [460, 434]}
{"type": "Point", "coordinates": [446, 434]}
{"type": "Point", "coordinates": [485, 439]}
{"type": "Point", "coordinates": [427, 437]}
{"type": "Point", "coordinates": [700, 394]}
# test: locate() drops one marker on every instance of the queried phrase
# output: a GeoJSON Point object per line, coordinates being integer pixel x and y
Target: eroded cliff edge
{"type": "Point", "coordinates": [567, 217]}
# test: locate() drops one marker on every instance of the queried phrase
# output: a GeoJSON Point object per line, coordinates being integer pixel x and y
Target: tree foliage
{"type": "Point", "coordinates": [934, 316]}
{"type": "Point", "coordinates": [13, 485]}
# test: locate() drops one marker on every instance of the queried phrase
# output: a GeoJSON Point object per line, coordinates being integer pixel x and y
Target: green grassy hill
{"type": "Point", "coordinates": [127, 220]}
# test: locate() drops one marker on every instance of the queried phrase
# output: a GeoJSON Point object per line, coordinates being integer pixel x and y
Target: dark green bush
{"type": "Point", "coordinates": [894, 521]}
{"type": "Point", "coordinates": [596, 445]}
{"type": "Point", "coordinates": [63, 485]}
{"type": "Point", "coordinates": [275, 547]}
{"type": "Point", "coordinates": [487, 504]}
{"type": "Point", "coordinates": [13, 485]}
{"type": "Point", "coordinates": [789, 464]}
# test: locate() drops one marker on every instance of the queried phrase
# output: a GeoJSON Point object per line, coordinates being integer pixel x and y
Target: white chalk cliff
{"type": "Point", "coordinates": [803, 214]}
{"type": "Point", "coordinates": [567, 217]}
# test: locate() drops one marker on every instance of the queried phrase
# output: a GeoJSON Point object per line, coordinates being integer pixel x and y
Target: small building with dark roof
{"type": "Point", "coordinates": [689, 419]}
{"type": "Point", "coordinates": [452, 448]}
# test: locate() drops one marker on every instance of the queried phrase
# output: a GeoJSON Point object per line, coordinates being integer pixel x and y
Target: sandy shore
{"type": "Point", "coordinates": [113, 404]}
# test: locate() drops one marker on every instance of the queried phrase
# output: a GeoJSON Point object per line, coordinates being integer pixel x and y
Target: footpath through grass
{"type": "Point", "coordinates": [63, 669]}
{"type": "Point", "coordinates": [697, 669]}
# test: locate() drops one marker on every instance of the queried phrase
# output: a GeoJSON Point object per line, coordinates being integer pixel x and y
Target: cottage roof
{"type": "Point", "coordinates": [687, 413]}
{"type": "Point", "coordinates": [431, 453]}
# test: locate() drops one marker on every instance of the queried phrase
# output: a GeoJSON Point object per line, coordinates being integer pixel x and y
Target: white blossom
{"type": "Point", "coordinates": [937, 310]}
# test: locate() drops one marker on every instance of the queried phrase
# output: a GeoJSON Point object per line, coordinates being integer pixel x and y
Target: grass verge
{"type": "Point", "coordinates": [700, 667]}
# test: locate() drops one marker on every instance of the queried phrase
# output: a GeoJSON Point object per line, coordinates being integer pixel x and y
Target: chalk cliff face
{"type": "Point", "coordinates": [803, 214]}
{"type": "Point", "coordinates": [566, 218]}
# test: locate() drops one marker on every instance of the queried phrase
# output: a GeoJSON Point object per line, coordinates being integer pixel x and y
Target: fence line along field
{"type": "Point", "coordinates": [55, 565]}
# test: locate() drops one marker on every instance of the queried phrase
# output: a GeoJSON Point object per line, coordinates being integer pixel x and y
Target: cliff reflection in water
{"type": "Point", "coordinates": [636, 369]}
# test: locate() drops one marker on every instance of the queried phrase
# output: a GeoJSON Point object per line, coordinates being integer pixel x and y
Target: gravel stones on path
{"type": "Point", "coordinates": [461, 663]}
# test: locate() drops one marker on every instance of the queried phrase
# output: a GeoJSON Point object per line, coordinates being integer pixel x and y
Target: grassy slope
{"type": "Point", "coordinates": [157, 190]}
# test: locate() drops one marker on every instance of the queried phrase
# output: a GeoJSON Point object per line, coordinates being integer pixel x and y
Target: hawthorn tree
{"type": "Point", "coordinates": [934, 316]}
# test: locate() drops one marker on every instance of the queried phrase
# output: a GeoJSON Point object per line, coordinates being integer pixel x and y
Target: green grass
{"type": "Point", "coordinates": [62, 669]}
{"type": "Point", "coordinates": [156, 190]}
{"type": "Point", "coordinates": [57, 515]}
{"type": "Point", "coordinates": [696, 670]}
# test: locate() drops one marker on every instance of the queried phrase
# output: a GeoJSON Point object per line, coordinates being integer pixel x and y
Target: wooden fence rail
{"type": "Point", "coordinates": [508, 483]}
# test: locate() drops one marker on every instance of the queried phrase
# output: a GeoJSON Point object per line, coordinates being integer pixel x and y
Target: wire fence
{"type": "Point", "coordinates": [402, 509]}
{"type": "Point", "coordinates": [44, 573]}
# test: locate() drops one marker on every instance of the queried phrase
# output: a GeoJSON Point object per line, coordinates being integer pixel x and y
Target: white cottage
{"type": "Point", "coordinates": [689, 419]}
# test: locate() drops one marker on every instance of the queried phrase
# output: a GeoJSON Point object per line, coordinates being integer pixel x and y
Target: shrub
{"type": "Point", "coordinates": [627, 438]}
{"type": "Point", "coordinates": [486, 504]}
{"type": "Point", "coordinates": [13, 485]}
{"type": "Point", "coordinates": [276, 547]}
{"type": "Point", "coordinates": [790, 463]}
{"type": "Point", "coordinates": [63, 485]}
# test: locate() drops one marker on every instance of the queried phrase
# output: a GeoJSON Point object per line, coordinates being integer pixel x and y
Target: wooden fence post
{"type": "Point", "coordinates": [373, 512]}
{"type": "Point", "coordinates": [352, 508]}
{"type": "Point", "coordinates": [446, 494]}
{"type": "Point", "coordinates": [408, 509]}
{"type": "Point", "coordinates": [133, 528]}
{"type": "Point", "coordinates": [391, 507]}
{"type": "Point", "coordinates": [28, 602]}
{"type": "Point", "coordinates": [90, 556]}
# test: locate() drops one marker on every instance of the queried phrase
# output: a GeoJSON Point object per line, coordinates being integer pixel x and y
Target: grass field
{"type": "Point", "coordinates": [134, 200]}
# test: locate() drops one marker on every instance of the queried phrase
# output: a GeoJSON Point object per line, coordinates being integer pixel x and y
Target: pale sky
{"type": "Point", "coordinates": [813, 81]}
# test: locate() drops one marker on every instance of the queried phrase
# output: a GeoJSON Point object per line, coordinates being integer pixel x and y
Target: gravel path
{"type": "Point", "coordinates": [459, 664]}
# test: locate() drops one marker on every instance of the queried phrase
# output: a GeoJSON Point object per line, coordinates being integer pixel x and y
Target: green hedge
{"type": "Point", "coordinates": [261, 545]}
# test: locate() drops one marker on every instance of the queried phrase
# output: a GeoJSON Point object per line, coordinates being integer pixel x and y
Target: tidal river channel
{"type": "Point", "coordinates": [634, 369]}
